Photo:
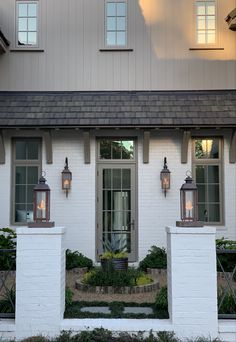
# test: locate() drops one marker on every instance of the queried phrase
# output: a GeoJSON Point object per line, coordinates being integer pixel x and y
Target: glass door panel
{"type": "Point", "coordinates": [116, 207]}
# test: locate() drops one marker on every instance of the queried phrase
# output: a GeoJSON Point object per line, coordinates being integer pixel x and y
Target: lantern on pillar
{"type": "Point", "coordinates": [41, 205]}
{"type": "Point", "coordinates": [165, 177]}
{"type": "Point", "coordinates": [188, 204]}
{"type": "Point", "coordinates": [66, 178]}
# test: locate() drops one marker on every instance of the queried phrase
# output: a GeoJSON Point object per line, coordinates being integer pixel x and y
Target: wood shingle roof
{"type": "Point", "coordinates": [118, 109]}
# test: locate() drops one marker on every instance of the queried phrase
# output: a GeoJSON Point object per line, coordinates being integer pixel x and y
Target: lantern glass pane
{"type": "Point", "coordinates": [189, 205]}
{"type": "Point", "coordinates": [41, 205]}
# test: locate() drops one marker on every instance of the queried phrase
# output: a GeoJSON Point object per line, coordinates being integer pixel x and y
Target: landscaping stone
{"type": "Point", "coordinates": [138, 310]}
{"type": "Point", "coordinates": [96, 309]}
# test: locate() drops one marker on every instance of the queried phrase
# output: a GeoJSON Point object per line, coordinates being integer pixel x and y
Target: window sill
{"type": "Point", "coordinates": [118, 49]}
{"type": "Point", "coordinates": [208, 48]}
{"type": "Point", "coordinates": [26, 50]}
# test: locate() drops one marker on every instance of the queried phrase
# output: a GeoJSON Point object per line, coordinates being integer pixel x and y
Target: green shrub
{"type": "Point", "coordinates": [8, 299]}
{"type": "Point", "coordinates": [156, 258]}
{"type": "Point", "coordinates": [35, 339]}
{"type": "Point", "coordinates": [161, 303]}
{"type": "Point", "coordinates": [228, 306]}
{"type": "Point", "coordinates": [228, 261]}
{"type": "Point", "coordinates": [98, 277]}
{"type": "Point", "coordinates": [76, 259]}
{"type": "Point", "coordinates": [7, 241]}
{"type": "Point", "coordinates": [68, 297]}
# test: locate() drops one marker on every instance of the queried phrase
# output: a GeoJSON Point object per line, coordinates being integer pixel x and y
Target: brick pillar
{"type": "Point", "coordinates": [192, 281]}
{"type": "Point", "coordinates": [40, 281]}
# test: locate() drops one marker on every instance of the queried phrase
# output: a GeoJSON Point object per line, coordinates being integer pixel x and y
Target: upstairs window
{"type": "Point", "coordinates": [116, 23]}
{"type": "Point", "coordinates": [27, 23]}
{"type": "Point", "coordinates": [206, 22]}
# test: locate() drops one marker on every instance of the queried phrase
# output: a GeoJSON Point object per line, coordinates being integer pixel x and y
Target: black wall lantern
{"type": "Point", "coordinates": [165, 177]}
{"type": "Point", "coordinates": [66, 178]}
{"type": "Point", "coordinates": [41, 205]}
{"type": "Point", "coordinates": [188, 204]}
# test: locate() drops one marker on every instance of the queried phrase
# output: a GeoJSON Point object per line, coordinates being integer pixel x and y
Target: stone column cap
{"type": "Point", "coordinates": [206, 230]}
{"type": "Point", "coordinates": [40, 231]}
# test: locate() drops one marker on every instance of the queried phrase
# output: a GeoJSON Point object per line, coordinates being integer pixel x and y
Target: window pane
{"type": "Point", "coordinates": [211, 37]}
{"type": "Point", "coordinates": [126, 179]}
{"type": "Point", "coordinates": [32, 25]}
{"type": "Point", "coordinates": [213, 174]}
{"type": "Point", "coordinates": [32, 10]}
{"type": "Point", "coordinates": [32, 175]}
{"type": "Point", "coordinates": [121, 9]}
{"type": "Point", "coordinates": [111, 24]}
{"type": "Point", "coordinates": [20, 213]}
{"type": "Point", "coordinates": [210, 8]}
{"type": "Point", "coordinates": [33, 150]}
{"type": "Point", "coordinates": [106, 221]}
{"type": "Point", "coordinates": [214, 212]}
{"type": "Point", "coordinates": [116, 149]}
{"type": "Point", "coordinates": [201, 8]}
{"type": "Point", "coordinates": [107, 200]}
{"type": "Point", "coordinates": [210, 23]}
{"type": "Point", "coordinates": [22, 38]}
{"type": "Point", "coordinates": [121, 38]}
{"type": "Point", "coordinates": [201, 193]}
{"type": "Point", "coordinates": [22, 24]}
{"type": "Point", "coordinates": [201, 176]}
{"type": "Point", "coordinates": [105, 149]}
{"type": "Point", "coordinates": [111, 9]}
{"type": "Point", "coordinates": [22, 10]}
{"type": "Point", "coordinates": [117, 222]}
{"type": "Point", "coordinates": [201, 37]}
{"type": "Point", "coordinates": [127, 149]}
{"type": "Point", "coordinates": [116, 178]}
{"type": "Point", "coordinates": [20, 150]}
{"type": "Point", "coordinates": [20, 194]}
{"type": "Point", "coordinates": [30, 193]}
{"type": "Point", "coordinates": [202, 213]}
{"type": "Point", "coordinates": [32, 38]}
{"type": "Point", "coordinates": [126, 200]}
{"type": "Point", "coordinates": [121, 24]}
{"type": "Point", "coordinates": [111, 38]}
{"type": "Point", "coordinates": [207, 148]}
{"type": "Point", "coordinates": [213, 193]}
{"type": "Point", "coordinates": [201, 25]}
{"type": "Point", "coordinates": [20, 175]}
{"type": "Point", "coordinates": [107, 179]}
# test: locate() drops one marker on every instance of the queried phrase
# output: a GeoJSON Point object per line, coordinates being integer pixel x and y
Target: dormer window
{"type": "Point", "coordinates": [27, 23]}
{"type": "Point", "coordinates": [206, 22]}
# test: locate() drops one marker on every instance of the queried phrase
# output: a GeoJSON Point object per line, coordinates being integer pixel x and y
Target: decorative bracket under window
{"type": "Point", "coordinates": [184, 146]}
{"type": "Point", "coordinates": [232, 148]}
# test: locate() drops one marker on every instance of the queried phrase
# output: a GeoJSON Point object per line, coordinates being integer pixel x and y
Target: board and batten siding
{"type": "Point", "coordinates": [159, 32]}
{"type": "Point", "coordinates": [77, 212]}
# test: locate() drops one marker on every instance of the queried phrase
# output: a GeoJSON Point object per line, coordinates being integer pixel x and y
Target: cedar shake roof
{"type": "Point", "coordinates": [118, 109]}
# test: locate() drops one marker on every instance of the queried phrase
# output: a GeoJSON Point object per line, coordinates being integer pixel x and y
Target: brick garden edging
{"type": "Point", "coordinates": [120, 289]}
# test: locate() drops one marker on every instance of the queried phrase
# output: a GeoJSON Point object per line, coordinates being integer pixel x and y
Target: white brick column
{"type": "Point", "coordinates": [192, 281]}
{"type": "Point", "coordinates": [40, 281]}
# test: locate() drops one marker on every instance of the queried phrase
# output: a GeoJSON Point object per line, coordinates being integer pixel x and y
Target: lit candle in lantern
{"type": "Point", "coordinates": [189, 207]}
{"type": "Point", "coordinates": [41, 207]}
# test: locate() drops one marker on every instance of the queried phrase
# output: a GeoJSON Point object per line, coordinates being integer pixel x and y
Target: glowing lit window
{"type": "Point", "coordinates": [116, 26]}
{"type": "Point", "coordinates": [206, 22]}
{"type": "Point", "coordinates": [27, 23]}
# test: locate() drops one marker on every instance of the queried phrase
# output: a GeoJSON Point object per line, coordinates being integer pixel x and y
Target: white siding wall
{"type": "Point", "coordinates": [155, 212]}
{"type": "Point", "coordinates": [159, 32]}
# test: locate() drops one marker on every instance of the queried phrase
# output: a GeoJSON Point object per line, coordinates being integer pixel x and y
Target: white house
{"type": "Point", "coordinates": [116, 86]}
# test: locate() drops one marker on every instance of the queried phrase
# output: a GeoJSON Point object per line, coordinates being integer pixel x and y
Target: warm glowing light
{"type": "Point", "coordinates": [207, 146]}
{"type": "Point", "coordinates": [66, 183]}
{"type": "Point", "coordinates": [165, 182]}
{"type": "Point", "coordinates": [189, 205]}
{"type": "Point", "coordinates": [41, 206]}
{"type": "Point", "coordinates": [151, 10]}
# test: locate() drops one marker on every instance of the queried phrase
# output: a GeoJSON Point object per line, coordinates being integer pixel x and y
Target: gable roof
{"type": "Point", "coordinates": [118, 109]}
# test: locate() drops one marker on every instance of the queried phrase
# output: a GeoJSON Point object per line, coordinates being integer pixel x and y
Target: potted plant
{"type": "Point", "coordinates": [115, 255]}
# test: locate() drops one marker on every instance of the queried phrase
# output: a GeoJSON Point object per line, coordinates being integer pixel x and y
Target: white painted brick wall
{"type": "Point", "coordinates": [192, 283]}
{"type": "Point", "coordinates": [40, 281]}
{"type": "Point", "coordinates": [155, 211]}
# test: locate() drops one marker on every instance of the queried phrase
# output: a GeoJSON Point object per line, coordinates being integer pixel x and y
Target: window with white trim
{"type": "Point", "coordinates": [26, 23]}
{"type": "Point", "coordinates": [205, 22]}
{"type": "Point", "coordinates": [207, 166]}
{"type": "Point", "coordinates": [26, 171]}
{"type": "Point", "coordinates": [116, 23]}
